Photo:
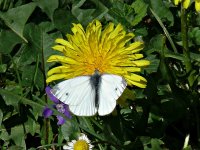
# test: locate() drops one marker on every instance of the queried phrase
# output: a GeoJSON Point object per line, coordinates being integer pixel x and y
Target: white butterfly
{"type": "Point", "coordinates": [87, 95]}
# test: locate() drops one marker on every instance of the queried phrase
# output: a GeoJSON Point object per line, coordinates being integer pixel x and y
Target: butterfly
{"type": "Point", "coordinates": [87, 95]}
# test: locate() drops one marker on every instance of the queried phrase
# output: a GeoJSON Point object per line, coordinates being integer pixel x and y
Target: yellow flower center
{"type": "Point", "coordinates": [96, 62]}
{"type": "Point", "coordinates": [81, 145]}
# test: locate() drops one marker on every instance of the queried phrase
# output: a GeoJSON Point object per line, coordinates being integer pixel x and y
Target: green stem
{"type": "Point", "coordinates": [50, 145]}
{"type": "Point", "coordinates": [1, 61]}
{"type": "Point", "coordinates": [185, 38]}
{"type": "Point", "coordinates": [186, 53]}
{"type": "Point", "coordinates": [187, 60]}
{"type": "Point", "coordinates": [164, 30]}
{"type": "Point", "coordinates": [47, 121]}
{"type": "Point", "coordinates": [36, 71]}
{"type": "Point", "coordinates": [47, 129]}
{"type": "Point", "coordinates": [197, 122]}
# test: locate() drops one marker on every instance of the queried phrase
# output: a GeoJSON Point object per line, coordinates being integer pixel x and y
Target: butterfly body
{"type": "Point", "coordinates": [87, 95]}
{"type": "Point", "coordinates": [95, 81]}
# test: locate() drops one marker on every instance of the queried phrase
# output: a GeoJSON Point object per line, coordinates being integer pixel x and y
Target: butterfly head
{"type": "Point", "coordinates": [96, 72]}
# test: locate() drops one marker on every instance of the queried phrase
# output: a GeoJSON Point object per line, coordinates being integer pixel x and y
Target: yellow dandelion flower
{"type": "Point", "coordinates": [83, 143]}
{"type": "Point", "coordinates": [186, 4]}
{"type": "Point", "coordinates": [197, 5]}
{"type": "Point", "coordinates": [176, 2]}
{"type": "Point", "coordinates": [107, 51]}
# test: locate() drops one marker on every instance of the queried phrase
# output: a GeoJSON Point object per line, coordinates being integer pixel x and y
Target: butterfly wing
{"type": "Point", "coordinates": [78, 94]}
{"type": "Point", "coordinates": [110, 89]}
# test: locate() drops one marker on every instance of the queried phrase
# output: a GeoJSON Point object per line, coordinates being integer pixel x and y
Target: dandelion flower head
{"type": "Point", "coordinates": [186, 4]}
{"type": "Point", "coordinates": [107, 50]}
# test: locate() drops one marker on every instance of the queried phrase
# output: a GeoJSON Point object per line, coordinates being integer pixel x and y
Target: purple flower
{"type": "Point", "coordinates": [61, 107]}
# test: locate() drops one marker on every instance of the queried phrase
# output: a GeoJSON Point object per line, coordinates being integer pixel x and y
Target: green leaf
{"type": "Point", "coordinates": [156, 144]}
{"type": "Point", "coordinates": [32, 75]}
{"type": "Point", "coordinates": [60, 137]}
{"type": "Point", "coordinates": [8, 40]}
{"type": "Point", "coordinates": [16, 148]}
{"type": "Point", "coordinates": [162, 11]}
{"type": "Point", "coordinates": [174, 55]}
{"type": "Point", "coordinates": [48, 6]}
{"type": "Point", "coordinates": [17, 135]}
{"type": "Point", "coordinates": [39, 45]}
{"type": "Point", "coordinates": [83, 15]}
{"type": "Point", "coordinates": [141, 32]}
{"type": "Point", "coordinates": [194, 34]}
{"type": "Point", "coordinates": [27, 75]}
{"type": "Point", "coordinates": [140, 8]}
{"type": "Point", "coordinates": [9, 99]}
{"type": "Point", "coordinates": [122, 13]}
{"type": "Point", "coordinates": [77, 4]}
{"type": "Point", "coordinates": [32, 127]}
{"type": "Point", "coordinates": [63, 20]}
{"type": "Point", "coordinates": [15, 98]}
{"type": "Point", "coordinates": [16, 18]}
{"type": "Point", "coordinates": [101, 9]}
{"type": "Point", "coordinates": [70, 129]}
{"type": "Point", "coordinates": [153, 67]}
{"type": "Point", "coordinates": [96, 10]}
{"type": "Point", "coordinates": [46, 26]}
{"type": "Point", "coordinates": [4, 134]}
{"type": "Point", "coordinates": [32, 148]}
{"type": "Point", "coordinates": [188, 148]}
{"type": "Point", "coordinates": [195, 56]}
{"type": "Point", "coordinates": [127, 94]}
{"type": "Point", "coordinates": [3, 68]}
{"type": "Point", "coordinates": [156, 43]}
{"type": "Point", "coordinates": [128, 15]}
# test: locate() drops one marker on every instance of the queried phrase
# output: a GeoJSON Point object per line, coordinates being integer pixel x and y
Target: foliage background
{"type": "Point", "coordinates": [158, 117]}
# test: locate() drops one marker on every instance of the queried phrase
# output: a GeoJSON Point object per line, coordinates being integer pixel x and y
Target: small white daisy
{"type": "Point", "coordinates": [83, 143]}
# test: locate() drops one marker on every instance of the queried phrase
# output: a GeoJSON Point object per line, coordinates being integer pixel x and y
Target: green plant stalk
{"type": "Point", "coordinates": [164, 30]}
{"type": "Point", "coordinates": [47, 129]}
{"type": "Point", "coordinates": [47, 121]}
{"type": "Point", "coordinates": [186, 53]}
{"type": "Point", "coordinates": [35, 74]}
{"type": "Point", "coordinates": [197, 122]}
{"type": "Point", "coordinates": [5, 5]}
{"type": "Point", "coordinates": [187, 59]}
{"type": "Point", "coordinates": [1, 61]}
{"type": "Point", "coordinates": [50, 145]}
